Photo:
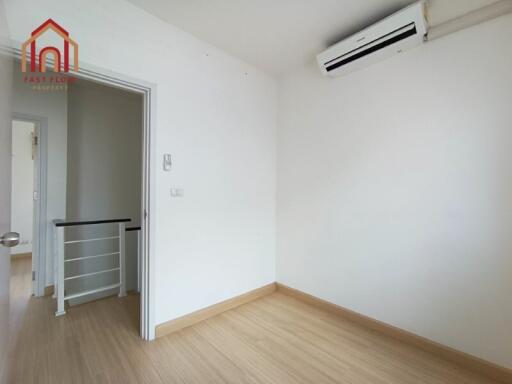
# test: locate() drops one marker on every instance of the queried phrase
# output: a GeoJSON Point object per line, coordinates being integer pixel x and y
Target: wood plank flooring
{"type": "Point", "coordinates": [276, 339]}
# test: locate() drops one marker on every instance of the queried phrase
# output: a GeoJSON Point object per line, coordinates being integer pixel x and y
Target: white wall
{"type": "Point", "coordinates": [217, 116]}
{"type": "Point", "coordinates": [22, 186]}
{"type": "Point", "coordinates": [394, 189]}
{"type": "Point", "coordinates": [104, 178]}
{"type": "Point", "coordinates": [53, 106]}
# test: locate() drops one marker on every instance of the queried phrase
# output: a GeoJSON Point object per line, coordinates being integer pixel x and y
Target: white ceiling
{"type": "Point", "coordinates": [279, 35]}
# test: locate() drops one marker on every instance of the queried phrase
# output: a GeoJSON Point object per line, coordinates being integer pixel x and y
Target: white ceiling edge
{"type": "Point", "coordinates": [279, 36]}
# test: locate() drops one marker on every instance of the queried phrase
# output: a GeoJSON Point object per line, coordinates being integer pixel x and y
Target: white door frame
{"type": "Point", "coordinates": [39, 220]}
{"type": "Point", "coordinates": [148, 91]}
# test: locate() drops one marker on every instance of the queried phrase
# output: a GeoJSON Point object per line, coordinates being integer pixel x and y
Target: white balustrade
{"type": "Point", "coordinates": [61, 262]}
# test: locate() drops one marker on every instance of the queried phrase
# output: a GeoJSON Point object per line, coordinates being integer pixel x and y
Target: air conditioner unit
{"type": "Point", "coordinates": [403, 30]}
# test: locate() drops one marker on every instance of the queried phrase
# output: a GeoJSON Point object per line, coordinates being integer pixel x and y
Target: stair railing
{"type": "Point", "coordinates": [61, 261]}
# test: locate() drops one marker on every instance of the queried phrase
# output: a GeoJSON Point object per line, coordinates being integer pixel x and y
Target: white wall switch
{"type": "Point", "coordinates": [167, 162]}
{"type": "Point", "coordinates": [177, 192]}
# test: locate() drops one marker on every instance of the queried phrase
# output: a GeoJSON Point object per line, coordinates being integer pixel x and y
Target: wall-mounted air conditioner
{"type": "Point", "coordinates": [403, 30]}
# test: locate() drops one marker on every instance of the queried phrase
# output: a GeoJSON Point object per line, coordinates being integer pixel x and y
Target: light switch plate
{"type": "Point", "coordinates": [167, 162]}
{"type": "Point", "coordinates": [177, 192]}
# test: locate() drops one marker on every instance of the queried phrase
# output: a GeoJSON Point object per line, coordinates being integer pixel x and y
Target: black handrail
{"type": "Point", "coordinates": [89, 222]}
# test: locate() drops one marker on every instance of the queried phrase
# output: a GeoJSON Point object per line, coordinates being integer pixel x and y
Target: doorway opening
{"type": "Point", "coordinates": [96, 176]}
{"type": "Point", "coordinates": [24, 147]}
{"type": "Point", "coordinates": [28, 191]}
{"type": "Point", "coordinates": [97, 243]}
{"type": "Point", "coordinates": [23, 210]}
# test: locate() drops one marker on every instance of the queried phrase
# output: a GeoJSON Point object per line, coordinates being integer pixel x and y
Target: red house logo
{"type": "Point", "coordinates": [61, 60]}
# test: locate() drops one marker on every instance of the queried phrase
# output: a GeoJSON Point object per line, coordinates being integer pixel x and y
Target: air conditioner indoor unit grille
{"type": "Point", "coordinates": [401, 31]}
{"type": "Point", "coordinates": [373, 46]}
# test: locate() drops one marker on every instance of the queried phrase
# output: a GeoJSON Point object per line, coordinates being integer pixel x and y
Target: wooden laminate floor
{"type": "Point", "coordinates": [276, 339]}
